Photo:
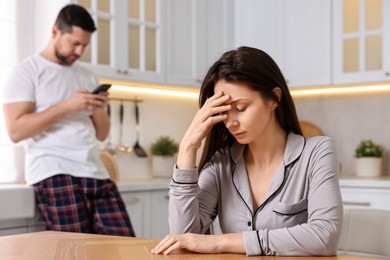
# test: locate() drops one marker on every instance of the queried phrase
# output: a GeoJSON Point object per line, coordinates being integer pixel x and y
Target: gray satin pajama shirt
{"type": "Point", "coordinates": [301, 215]}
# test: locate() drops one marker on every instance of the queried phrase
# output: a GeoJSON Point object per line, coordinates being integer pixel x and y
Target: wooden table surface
{"type": "Point", "coordinates": [75, 246]}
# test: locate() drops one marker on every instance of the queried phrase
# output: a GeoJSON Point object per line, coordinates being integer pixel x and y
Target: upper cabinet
{"type": "Point", "coordinates": [198, 32]}
{"type": "Point", "coordinates": [296, 34]}
{"type": "Point", "coordinates": [170, 42]}
{"type": "Point", "coordinates": [128, 43]}
{"type": "Point", "coordinates": [361, 41]}
{"type": "Point", "coordinates": [314, 42]}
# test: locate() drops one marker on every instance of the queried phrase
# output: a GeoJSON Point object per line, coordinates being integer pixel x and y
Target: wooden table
{"type": "Point", "coordinates": [75, 246]}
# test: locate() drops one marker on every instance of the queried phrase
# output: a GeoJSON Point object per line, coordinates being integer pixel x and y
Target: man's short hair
{"type": "Point", "coordinates": [74, 15]}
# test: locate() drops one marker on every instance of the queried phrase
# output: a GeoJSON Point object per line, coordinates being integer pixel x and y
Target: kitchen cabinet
{"type": "Point", "coordinates": [148, 211]}
{"type": "Point", "coordinates": [198, 32]}
{"type": "Point", "coordinates": [20, 225]}
{"type": "Point", "coordinates": [296, 34]}
{"type": "Point", "coordinates": [366, 193]}
{"type": "Point", "coordinates": [128, 43]}
{"type": "Point", "coordinates": [147, 204]}
{"type": "Point", "coordinates": [361, 40]}
{"type": "Point", "coordinates": [138, 208]}
{"type": "Point", "coordinates": [159, 226]}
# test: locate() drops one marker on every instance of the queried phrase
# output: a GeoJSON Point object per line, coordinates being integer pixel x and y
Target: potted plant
{"type": "Point", "coordinates": [368, 159]}
{"type": "Point", "coordinates": [163, 151]}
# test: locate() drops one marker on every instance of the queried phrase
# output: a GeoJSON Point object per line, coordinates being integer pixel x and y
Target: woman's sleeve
{"type": "Point", "coordinates": [192, 209]}
{"type": "Point", "coordinates": [321, 233]}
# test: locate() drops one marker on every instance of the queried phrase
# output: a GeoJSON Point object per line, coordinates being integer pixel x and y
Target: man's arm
{"type": "Point", "coordinates": [101, 121]}
{"type": "Point", "coordinates": [23, 122]}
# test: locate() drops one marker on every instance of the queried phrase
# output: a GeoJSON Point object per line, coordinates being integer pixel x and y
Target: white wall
{"type": "Point", "coordinates": [348, 119]}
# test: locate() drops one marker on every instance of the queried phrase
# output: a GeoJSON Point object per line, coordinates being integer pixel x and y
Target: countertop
{"type": "Point", "coordinates": [64, 245]}
{"type": "Point", "coordinates": [359, 182]}
{"type": "Point", "coordinates": [17, 200]}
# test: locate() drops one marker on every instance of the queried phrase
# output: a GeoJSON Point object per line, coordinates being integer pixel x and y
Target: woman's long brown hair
{"type": "Point", "coordinates": [257, 69]}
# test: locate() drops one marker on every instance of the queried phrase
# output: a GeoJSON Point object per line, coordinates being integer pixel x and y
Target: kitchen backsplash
{"type": "Point", "coordinates": [348, 119]}
{"type": "Point", "coordinates": [158, 115]}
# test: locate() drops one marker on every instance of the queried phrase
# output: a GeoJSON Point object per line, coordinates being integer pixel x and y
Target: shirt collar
{"type": "Point", "coordinates": [294, 148]}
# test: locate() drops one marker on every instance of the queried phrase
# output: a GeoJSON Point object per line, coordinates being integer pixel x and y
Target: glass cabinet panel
{"type": "Point", "coordinates": [373, 17]}
{"type": "Point", "coordinates": [351, 55]}
{"type": "Point", "coordinates": [85, 3]}
{"type": "Point", "coordinates": [86, 57]}
{"type": "Point", "coordinates": [133, 47]}
{"type": "Point", "coordinates": [150, 55]}
{"type": "Point", "coordinates": [362, 35]}
{"type": "Point", "coordinates": [351, 16]}
{"type": "Point", "coordinates": [103, 42]}
{"type": "Point", "coordinates": [98, 52]}
{"type": "Point", "coordinates": [133, 9]}
{"type": "Point", "coordinates": [150, 10]}
{"type": "Point", "coordinates": [374, 53]}
{"type": "Point", "coordinates": [143, 27]}
{"type": "Point", "coordinates": [103, 6]}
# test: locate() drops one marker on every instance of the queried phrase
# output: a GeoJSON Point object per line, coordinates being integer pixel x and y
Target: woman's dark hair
{"type": "Point", "coordinates": [74, 15]}
{"type": "Point", "coordinates": [258, 70]}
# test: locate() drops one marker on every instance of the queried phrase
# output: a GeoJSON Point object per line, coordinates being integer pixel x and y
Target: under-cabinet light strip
{"type": "Point", "coordinates": [340, 90]}
{"type": "Point", "coordinates": [157, 91]}
{"type": "Point", "coordinates": [294, 92]}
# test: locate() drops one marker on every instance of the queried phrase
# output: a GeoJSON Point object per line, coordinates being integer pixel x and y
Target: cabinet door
{"type": "Point", "coordinates": [296, 34]}
{"type": "Point", "coordinates": [365, 197]}
{"type": "Point", "coordinates": [138, 207]}
{"type": "Point", "coordinates": [180, 41]}
{"type": "Point", "coordinates": [258, 24]}
{"type": "Point", "coordinates": [306, 41]}
{"type": "Point", "coordinates": [361, 41]}
{"type": "Point", "coordinates": [139, 35]}
{"type": "Point", "coordinates": [128, 41]}
{"type": "Point", "coordinates": [198, 32]}
{"type": "Point", "coordinates": [214, 34]}
{"type": "Point", "coordinates": [99, 54]}
{"type": "Point", "coordinates": [159, 214]}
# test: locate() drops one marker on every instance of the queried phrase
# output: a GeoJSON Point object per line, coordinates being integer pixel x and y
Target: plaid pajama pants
{"type": "Point", "coordinates": [82, 205]}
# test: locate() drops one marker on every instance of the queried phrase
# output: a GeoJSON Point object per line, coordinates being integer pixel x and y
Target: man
{"type": "Point", "coordinates": [48, 101]}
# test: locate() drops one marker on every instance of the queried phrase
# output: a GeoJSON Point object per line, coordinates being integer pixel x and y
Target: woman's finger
{"type": "Point", "coordinates": [163, 244]}
{"type": "Point", "coordinates": [176, 246]}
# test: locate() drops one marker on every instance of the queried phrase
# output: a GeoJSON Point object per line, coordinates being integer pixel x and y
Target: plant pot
{"type": "Point", "coordinates": [369, 166]}
{"type": "Point", "coordinates": [162, 166]}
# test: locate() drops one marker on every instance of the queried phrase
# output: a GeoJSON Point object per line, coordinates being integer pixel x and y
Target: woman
{"type": "Point", "coordinates": [274, 191]}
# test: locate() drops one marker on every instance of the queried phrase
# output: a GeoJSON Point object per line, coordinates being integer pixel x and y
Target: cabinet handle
{"type": "Point", "coordinates": [133, 200]}
{"type": "Point", "coordinates": [387, 74]}
{"type": "Point", "coordinates": [357, 203]}
{"type": "Point", "coordinates": [125, 72]}
{"type": "Point", "coordinates": [119, 71]}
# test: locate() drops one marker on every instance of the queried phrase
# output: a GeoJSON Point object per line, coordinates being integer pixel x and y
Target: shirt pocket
{"type": "Point", "coordinates": [291, 214]}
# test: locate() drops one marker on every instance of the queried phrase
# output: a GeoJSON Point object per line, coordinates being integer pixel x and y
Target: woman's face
{"type": "Point", "coordinates": [251, 116]}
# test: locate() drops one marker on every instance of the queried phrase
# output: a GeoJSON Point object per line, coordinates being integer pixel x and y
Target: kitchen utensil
{"type": "Point", "coordinates": [139, 151]}
{"type": "Point", "coordinates": [109, 148]}
{"type": "Point", "coordinates": [109, 161]}
{"type": "Point", "coordinates": [121, 147]}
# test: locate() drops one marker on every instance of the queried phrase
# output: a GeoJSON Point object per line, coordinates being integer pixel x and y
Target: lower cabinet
{"type": "Point", "coordinates": [159, 226]}
{"type": "Point", "coordinates": [21, 226]}
{"type": "Point", "coordinates": [148, 211]}
{"type": "Point", "coordinates": [365, 193]}
{"type": "Point", "coordinates": [366, 197]}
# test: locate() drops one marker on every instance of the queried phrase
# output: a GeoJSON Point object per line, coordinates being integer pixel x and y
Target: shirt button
{"type": "Point", "coordinates": [249, 223]}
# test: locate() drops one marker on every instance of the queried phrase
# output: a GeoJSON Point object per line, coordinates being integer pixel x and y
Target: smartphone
{"type": "Point", "coordinates": [101, 88]}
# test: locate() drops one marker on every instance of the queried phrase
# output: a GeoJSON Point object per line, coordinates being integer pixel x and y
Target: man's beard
{"type": "Point", "coordinates": [64, 60]}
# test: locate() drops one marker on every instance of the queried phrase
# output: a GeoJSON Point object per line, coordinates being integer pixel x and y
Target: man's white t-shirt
{"type": "Point", "coordinates": [70, 145]}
